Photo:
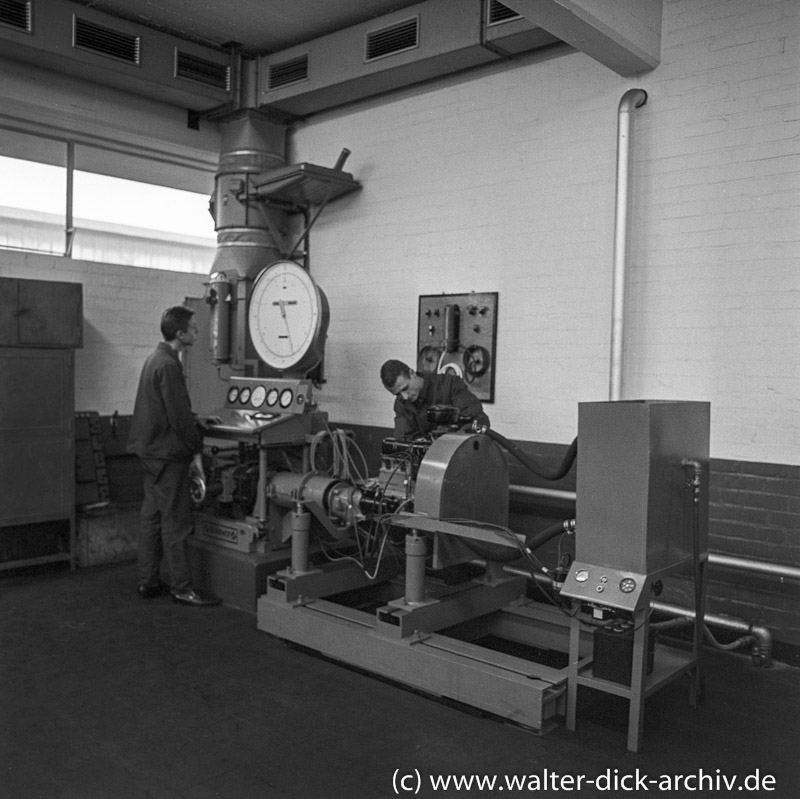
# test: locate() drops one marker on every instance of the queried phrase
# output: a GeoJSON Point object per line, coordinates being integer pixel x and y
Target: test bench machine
{"type": "Point", "coordinates": [414, 572]}
{"type": "Point", "coordinates": [410, 569]}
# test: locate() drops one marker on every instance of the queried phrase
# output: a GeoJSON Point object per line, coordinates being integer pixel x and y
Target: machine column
{"type": "Point", "coordinates": [301, 532]}
{"type": "Point", "coordinates": [416, 551]}
{"type": "Point", "coordinates": [263, 484]}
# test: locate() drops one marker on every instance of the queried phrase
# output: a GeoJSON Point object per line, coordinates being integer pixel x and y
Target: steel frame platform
{"type": "Point", "coordinates": [407, 645]}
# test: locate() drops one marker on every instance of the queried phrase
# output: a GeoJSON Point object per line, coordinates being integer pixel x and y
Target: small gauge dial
{"type": "Point", "coordinates": [258, 396]}
{"type": "Point", "coordinates": [233, 394]}
{"type": "Point", "coordinates": [272, 397]}
{"type": "Point", "coordinates": [627, 585]}
{"type": "Point", "coordinates": [287, 396]}
{"type": "Point", "coordinates": [581, 575]}
{"type": "Point", "coordinates": [244, 395]}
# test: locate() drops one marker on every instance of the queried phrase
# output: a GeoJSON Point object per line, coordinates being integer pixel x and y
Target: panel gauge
{"type": "Point", "coordinates": [258, 396]}
{"type": "Point", "coordinates": [244, 395]}
{"type": "Point", "coordinates": [272, 397]}
{"type": "Point", "coordinates": [233, 394]}
{"type": "Point", "coordinates": [287, 397]}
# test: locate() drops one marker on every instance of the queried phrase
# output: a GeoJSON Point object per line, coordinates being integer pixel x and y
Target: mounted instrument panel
{"type": "Point", "coordinates": [269, 395]}
{"type": "Point", "coordinates": [602, 585]}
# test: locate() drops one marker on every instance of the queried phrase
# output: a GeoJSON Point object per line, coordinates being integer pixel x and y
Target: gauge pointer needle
{"type": "Point", "coordinates": [282, 306]}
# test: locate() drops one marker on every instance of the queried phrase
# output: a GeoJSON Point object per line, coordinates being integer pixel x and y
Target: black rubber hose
{"type": "Point", "coordinates": [527, 461]}
{"type": "Point", "coordinates": [502, 554]}
{"type": "Point", "coordinates": [553, 531]}
{"type": "Point", "coordinates": [496, 553]}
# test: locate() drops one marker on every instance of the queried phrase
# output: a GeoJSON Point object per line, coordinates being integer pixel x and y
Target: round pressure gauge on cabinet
{"type": "Point", "coordinates": [288, 318]}
{"type": "Point", "coordinates": [233, 394]}
{"type": "Point", "coordinates": [244, 395]}
{"type": "Point", "coordinates": [272, 397]}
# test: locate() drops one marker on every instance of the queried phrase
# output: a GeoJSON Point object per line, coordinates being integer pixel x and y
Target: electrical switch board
{"type": "Point", "coordinates": [458, 333]}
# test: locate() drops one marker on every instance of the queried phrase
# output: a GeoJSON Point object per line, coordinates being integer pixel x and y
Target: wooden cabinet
{"type": "Point", "coordinates": [40, 325]}
{"type": "Point", "coordinates": [40, 313]}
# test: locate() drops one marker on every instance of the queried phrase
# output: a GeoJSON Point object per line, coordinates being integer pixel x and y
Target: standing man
{"type": "Point", "coordinates": [415, 393]}
{"type": "Point", "coordinates": [167, 438]}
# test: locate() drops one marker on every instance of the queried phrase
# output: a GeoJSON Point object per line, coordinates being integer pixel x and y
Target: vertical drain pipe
{"type": "Point", "coordinates": [632, 99]}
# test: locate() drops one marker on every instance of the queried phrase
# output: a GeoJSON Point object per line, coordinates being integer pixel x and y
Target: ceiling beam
{"type": "Point", "coordinates": [624, 35]}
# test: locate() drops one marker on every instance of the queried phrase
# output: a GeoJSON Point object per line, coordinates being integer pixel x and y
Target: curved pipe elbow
{"type": "Point", "coordinates": [762, 647]}
{"type": "Point", "coordinates": [632, 99]}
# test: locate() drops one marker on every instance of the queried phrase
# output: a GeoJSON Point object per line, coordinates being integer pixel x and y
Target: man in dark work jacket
{"type": "Point", "coordinates": [167, 438]}
{"type": "Point", "coordinates": [415, 393]}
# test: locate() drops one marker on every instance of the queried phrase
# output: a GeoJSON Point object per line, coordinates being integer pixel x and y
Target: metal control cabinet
{"type": "Point", "coordinates": [632, 505]}
{"type": "Point", "coordinates": [40, 313]}
{"type": "Point", "coordinates": [40, 325]}
{"type": "Point", "coordinates": [641, 513]}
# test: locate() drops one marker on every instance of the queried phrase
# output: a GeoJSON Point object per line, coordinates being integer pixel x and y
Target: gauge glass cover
{"type": "Point", "coordinates": [287, 317]}
{"type": "Point", "coordinates": [258, 396]}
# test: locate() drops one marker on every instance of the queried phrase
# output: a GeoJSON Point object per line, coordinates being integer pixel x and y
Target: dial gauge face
{"type": "Point", "coordinates": [287, 317]}
{"type": "Point", "coordinates": [233, 394]}
{"type": "Point", "coordinates": [287, 395]}
{"type": "Point", "coordinates": [244, 395]}
{"type": "Point", "coordinates": [272, 397]}
{"type": "Point", "coordinates": [258, 396]}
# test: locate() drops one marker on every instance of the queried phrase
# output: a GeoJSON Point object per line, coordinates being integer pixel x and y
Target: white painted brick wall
{"type": "Point", "coordinates": [504, 181]}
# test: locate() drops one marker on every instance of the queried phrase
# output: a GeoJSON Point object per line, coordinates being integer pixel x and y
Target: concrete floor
{"type": "Point", "coordinates": [103, 694]}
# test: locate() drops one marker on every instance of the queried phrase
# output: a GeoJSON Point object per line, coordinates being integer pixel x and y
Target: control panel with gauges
{"type": "Point", "coordinates": [268, 395]}
{"type": "Point", "coordinates": [255, 405]}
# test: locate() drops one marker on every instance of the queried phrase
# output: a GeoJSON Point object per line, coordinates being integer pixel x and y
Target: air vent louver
{"type": "Point", "coordinates": [288, 72]}
{"type": "Point", "coordinates": [200, 70]}
{"type": "Point", "coordinates": [392, 40]}
{"type": "Point", "coordinates": [16, 14]}
{"type": "Point", "coordinates": [106, 41]}
{"type": "Point", "coordinates": [500, 13]}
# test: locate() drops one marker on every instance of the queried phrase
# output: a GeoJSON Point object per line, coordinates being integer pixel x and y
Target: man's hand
{"type": "Point", "coordinates": [197, 466]}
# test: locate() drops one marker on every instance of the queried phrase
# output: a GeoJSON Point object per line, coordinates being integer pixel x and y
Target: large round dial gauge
{"type": "Point", "coordinates": [258, 396]}
{"type": "Point", "coordinates": [288, 318]}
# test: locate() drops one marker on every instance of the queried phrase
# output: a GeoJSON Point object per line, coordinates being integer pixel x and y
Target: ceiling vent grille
{"type": "Point", "coordinates": [394, 39]}
{"type": "Point", "coordinates": [106, 41]}
{"type": "Point", "coordinates": [16, 14]}
{"type": "Point", "coordinates": [499, 13]}
{"type": "Point", "coordinates": [288, 72]}
{"type": "Point", "coordinates": [200, 70]}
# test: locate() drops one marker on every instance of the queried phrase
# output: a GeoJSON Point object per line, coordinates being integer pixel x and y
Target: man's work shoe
{"type": "Point", "coordinates": [150, 590]}
{"type": "Point", "coordinates": [192, 597]}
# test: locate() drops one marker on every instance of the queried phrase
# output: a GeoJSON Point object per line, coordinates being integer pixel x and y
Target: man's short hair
{"type": "Point", "coordinates": [174, 320]}
{"type": "Point", "coordinates": [391, 370]}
